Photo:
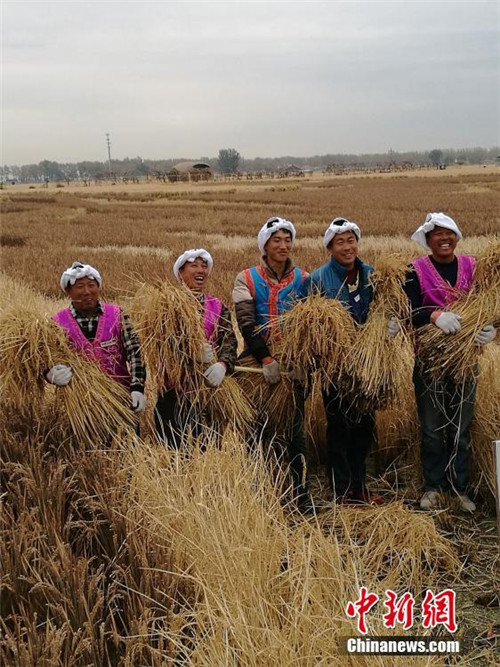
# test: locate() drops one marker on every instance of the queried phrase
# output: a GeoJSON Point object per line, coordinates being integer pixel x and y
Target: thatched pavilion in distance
{"type": "Point", "coordinates": [190, 171]}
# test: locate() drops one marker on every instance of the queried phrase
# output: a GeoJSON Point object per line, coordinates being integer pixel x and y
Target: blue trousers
{"type": "Point", "coordinates": [445, 411]}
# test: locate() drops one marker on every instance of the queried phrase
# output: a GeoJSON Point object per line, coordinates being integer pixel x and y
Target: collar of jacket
{"type": "Point", "coordinates": [289, 266]}
{"type": "Point", "coordinates": [341, 270]}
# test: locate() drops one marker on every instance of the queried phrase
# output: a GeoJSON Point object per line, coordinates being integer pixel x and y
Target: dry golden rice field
{"type": "Point", "coordinates": [137, 234]}
{"type": "Point", "coordinates": [132, 554]}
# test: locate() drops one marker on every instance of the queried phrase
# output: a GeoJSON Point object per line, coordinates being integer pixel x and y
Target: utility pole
{"type": "Point", "coordinates": [108, 144]}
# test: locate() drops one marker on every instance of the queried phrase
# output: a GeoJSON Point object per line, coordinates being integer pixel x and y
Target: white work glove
{"type": "Point", "coordinates": [486, 335]}
{"type": "Point", "coordinates": [297, 375]}
{"type": "Point", "coordinates": [271, 372]}
{"type": "Point", "coordinates": [60, 375]}
{"type": "Point", "coordinates": [215, 374]}
{"type": "Point", "coordinates": [449, 323]}
{"type": "Point", "coordinates": [138, 401]}
{"type": "Point", "coordinates": [208, 355]}
{"type": "Point", "coordinates": [393, 327]}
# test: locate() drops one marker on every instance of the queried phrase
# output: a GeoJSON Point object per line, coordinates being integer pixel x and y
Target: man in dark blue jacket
{"type": "Point", "coordinates": [349, 434]}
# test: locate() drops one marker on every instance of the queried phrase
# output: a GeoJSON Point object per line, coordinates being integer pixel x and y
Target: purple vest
{"type": "Point", "coordinates": [436, 292]}
{"type": "Point", "coordinates": [211, 315]}
{"type": "Point", "coordinates": [106, 348]}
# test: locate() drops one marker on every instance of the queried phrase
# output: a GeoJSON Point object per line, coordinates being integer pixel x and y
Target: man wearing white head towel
{"type": "Point", "coordinates": [101, 331]}
{"type": "Point", "coordinates": [445, 409]}
{"type": "Point", "coordinates": [261, 293]}
{"type": "Point", "coordinates": [172, 415]}
{"type": "Point", "coordinates": [349, 434]}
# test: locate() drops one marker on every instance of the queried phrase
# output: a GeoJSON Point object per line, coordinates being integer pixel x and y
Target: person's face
{"type": "Point", "coordinates": [344, 248]}
{"type": "Point", "coordinates": [442, 243]}
{"type": "Point", "coordinates": [84, 294]}
{"type": "Point", "coordinates": [279, 246]}
{"type": "Point", "coordinates": [195, 274]}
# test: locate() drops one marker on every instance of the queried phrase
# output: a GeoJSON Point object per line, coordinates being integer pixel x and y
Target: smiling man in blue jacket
{"type": "Point", "coordinates": [349, 434]}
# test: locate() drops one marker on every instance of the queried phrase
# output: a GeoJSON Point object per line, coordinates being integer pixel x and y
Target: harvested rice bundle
{"type": "Point", "coordinates": [16, 291]}
{"type": "Point", "coordinates": [376, 367]}
{"type": "Point", "coordinates": [387, 282]}
{"type": "Point", "coordinates": [487, 271]}
{"type": "Point", "coordinates": [227, 404]}
{"type": "Point", "coordinates": [315, 423]}
{"type": "Point", "coordinates": [168, 321]}
{"type": "Point", "coordinates": [94, 404]}
{"type": "Point", "coordinates": [401, 546]}
{"type": "Point", "coordinates": [316, 335]}
{"type": "Point", "coordinates": [486, 423]}
{"type": "Point", "coordinates": [456, 356]}
{"type": "Point", "coordinates": [271, 403]}
{"type": "Point", "coordinates": [29, 344]}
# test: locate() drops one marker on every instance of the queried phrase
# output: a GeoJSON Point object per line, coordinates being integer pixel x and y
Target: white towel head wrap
{"type": "Point", "coordinates": [190, 256]}
{"type": "Point", "coordinates": [339, 226]}
{"type": "Point", "coordinates": [434, 220]}
{"type": "Point", "coordinates": [270, 227]}
{"type": "Point", "coordinates": [76, 271]}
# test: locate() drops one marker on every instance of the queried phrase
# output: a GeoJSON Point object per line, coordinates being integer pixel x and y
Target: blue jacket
{"type": "Point", "coordinates": [272, 299]}
{"type": "Point", "coordinates": [330, 280]}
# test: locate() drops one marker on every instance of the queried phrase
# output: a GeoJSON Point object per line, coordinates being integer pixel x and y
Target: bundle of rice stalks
{"type": "Point", "coordinates": [387, 282]}
{"type": "Point", "coordinates": [95, 405]}
{"type": "Point", "coordinates": [168, 321]}
{"type": "Point", "coordinates": [487, 272]}
{"type": "Point", "coordinates": [315, 423]}
{"type": "Point", "coordinates": [456, 356]}
{"type": "Point", "coordinates": [401, 546]}
{"type": "Point", "coordinates": [273, 404]}
{"type": "Point", "coordinates": [316, 335]}
{"type": "Point", "coordinates": [228, 404]}
{"type": "Point", "coordinates": [29, 344]}
{"type": "Point", "coordinates": [377, 367]}
{"type": "Point", "coordinates": [486, 424]}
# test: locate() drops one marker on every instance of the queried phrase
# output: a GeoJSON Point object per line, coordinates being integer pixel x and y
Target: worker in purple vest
{"type": "Point", "coordinates": [261, 293]}
{"type": "Point", "coordinates": [173, 415]}
{"type": "Point", "coordinates": [101, 331]}
{"type": "Point", "coordinates": [445, 409]}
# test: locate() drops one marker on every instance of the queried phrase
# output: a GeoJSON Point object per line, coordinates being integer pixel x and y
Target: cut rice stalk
{"type": "Point", "coordinates": [316, 335]}
{"type": "Point", "coordinates": [377, 367]}
{"type": "Point", "coordinates": [95, 405]}
{"type": "Point", "coordinates": [168, 322]}
{"type": "Point", "coordinates": [387, 282]}
{"type": "Point", "coordinates": [30, 344]}
{"type": "Point", "coordinates": [272, 404]}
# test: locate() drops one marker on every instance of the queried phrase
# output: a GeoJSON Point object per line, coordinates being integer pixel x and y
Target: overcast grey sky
{"type": "Point", "coordinates": [184, 79]}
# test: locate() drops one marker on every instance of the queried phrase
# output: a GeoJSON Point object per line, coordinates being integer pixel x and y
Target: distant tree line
{"type": "Point", "coordinates": [228, 161]}
{"type": "Point", "coordinates": [447, 156]}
